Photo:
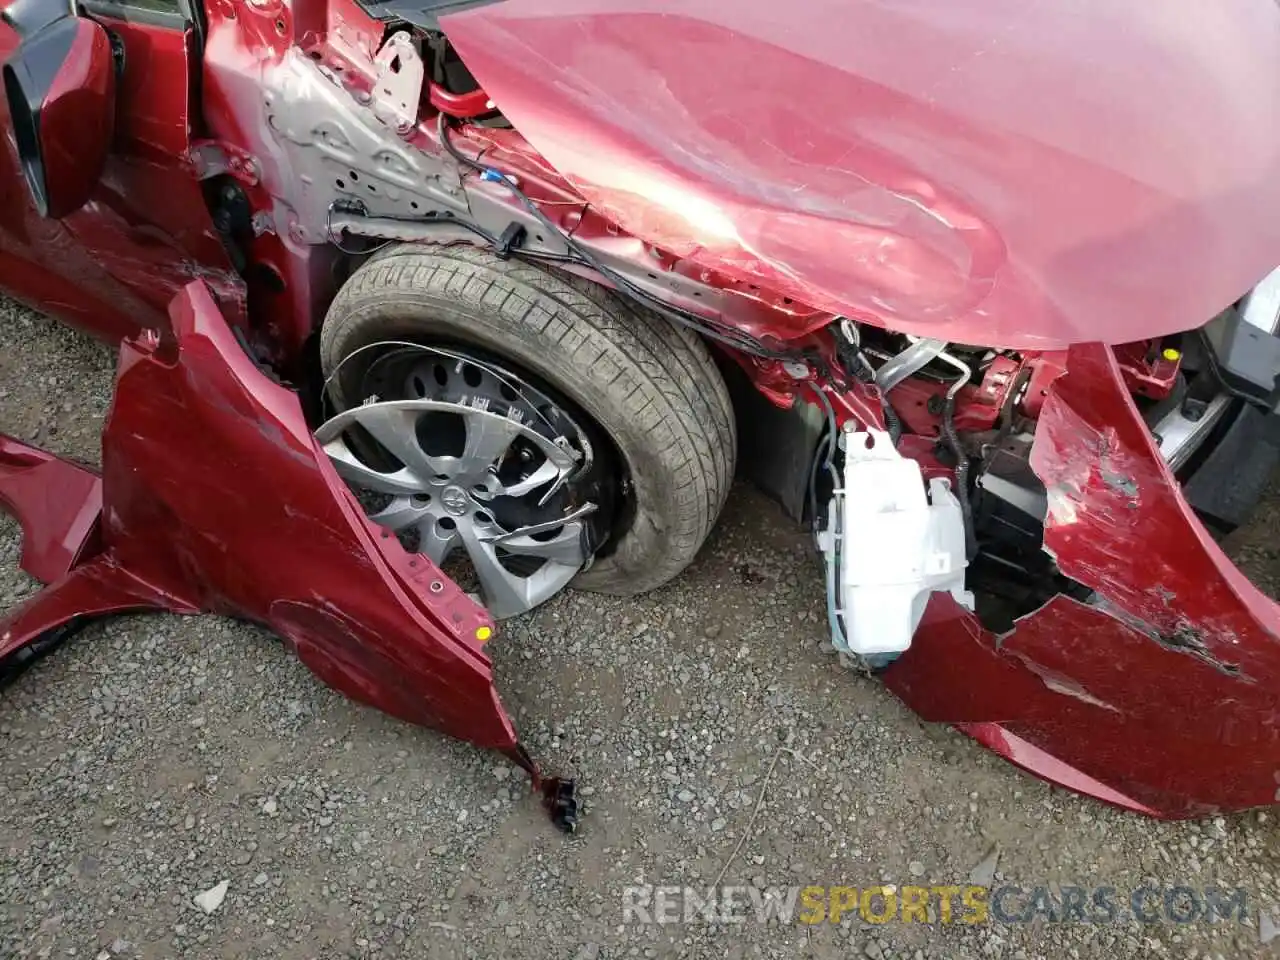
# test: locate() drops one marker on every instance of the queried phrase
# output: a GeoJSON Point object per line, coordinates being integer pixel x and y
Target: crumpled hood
{"type": "Point", "coordinates": [986, 171]}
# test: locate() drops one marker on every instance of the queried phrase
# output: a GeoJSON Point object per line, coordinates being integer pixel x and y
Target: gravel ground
{"type": "Point", "coordinates": [155, 758]}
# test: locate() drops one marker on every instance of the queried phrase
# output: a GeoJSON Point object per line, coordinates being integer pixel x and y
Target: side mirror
{"type": "Point", "coordinates": [60, 85]}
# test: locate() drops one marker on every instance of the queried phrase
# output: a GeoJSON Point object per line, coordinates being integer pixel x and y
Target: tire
{"type": "Point", "coordinates": [651, 386]}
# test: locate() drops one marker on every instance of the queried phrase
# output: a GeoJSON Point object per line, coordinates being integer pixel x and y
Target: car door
{"type": "Point", "coordinates": [112, 266]}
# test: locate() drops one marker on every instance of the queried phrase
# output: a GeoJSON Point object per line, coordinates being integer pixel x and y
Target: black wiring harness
{"type": "Point", "coordinates": [722, 333]}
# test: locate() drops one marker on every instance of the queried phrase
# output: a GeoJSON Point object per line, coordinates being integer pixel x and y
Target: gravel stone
{"type": "Point", "coordinates": [211, 899]}
{"type": "Point", "coordinates": [984, 873]}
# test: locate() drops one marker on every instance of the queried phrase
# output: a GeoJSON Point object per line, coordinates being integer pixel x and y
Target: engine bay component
{"type": "Point", "coordinates": [1013, 575]}
{"type": "Point", "coordinates": [888, 546]}
{"type": "Point", "coordinates": [1245, 357]}
{"type": "Point", "coordinates": [908, 363]}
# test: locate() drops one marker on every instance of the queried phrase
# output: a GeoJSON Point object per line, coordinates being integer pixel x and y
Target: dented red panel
{"type": "Point", "coordinates": [216, 498]}
{"type": "Point", "coordinates": [57, 502]}
{"type": "Point", "coordinates": [1158, 695]}
{"type": "Point", "coordinates": [985, 171]}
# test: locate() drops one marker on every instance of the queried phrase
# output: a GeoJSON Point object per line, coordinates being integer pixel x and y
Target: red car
{"type": "Point", "coordinates": [983, 290]}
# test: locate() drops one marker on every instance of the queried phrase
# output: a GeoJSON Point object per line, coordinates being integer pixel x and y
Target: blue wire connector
{"type": "Point", "coordinates": [493, 176]}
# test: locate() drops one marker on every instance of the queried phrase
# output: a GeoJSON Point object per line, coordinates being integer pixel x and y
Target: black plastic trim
{"type": "Point", "coordinates": [425, 14]}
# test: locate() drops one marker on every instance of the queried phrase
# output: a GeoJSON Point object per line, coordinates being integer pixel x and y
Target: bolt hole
{"type": "Point", "coordinates": [482, 517]}
{"type": "Point", "coordinates": [372, 188]}
{"type": "Point", "coordinates": [787, 300]}
{"type": "Point", "coordinates": [419, 386]}
{"type": "Point", "coordinates": [355, 177]}
{"type": "Point", "coordinates": [413, 563]}
{"type": "Point", "coordinates": [538, 237]}
{"type": "Point", "coordinates": [697, 293]}
{"type": "Point", "coordinates": [471, 376]}
{"type": "Point", "coordinates": [413, 204]}
{"type": "Point", "coordinates": [395, 64]}
{"type": "Point", "coordinates": [436, 586]}
{"type": "Point", "coordinates": [280, 27]}
{"type": "Point", "coordinates": [341, 184]}
{"type": "Point", "coordinates": [652, 276]}
{"type": "Point", "coordinates": [420, 499]}
{"type": "Point", "coordinates": [447, 523]}
{"type": "Point", "coordinates": [316, 55]}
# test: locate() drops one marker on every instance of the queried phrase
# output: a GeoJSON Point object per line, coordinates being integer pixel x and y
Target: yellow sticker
{"type": "Point", "coordinates": [1171, 354]}
{"type": "Point", "coordinates": [483, 633]}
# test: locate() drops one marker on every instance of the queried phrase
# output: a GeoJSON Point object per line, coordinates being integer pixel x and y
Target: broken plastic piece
{"type": "Point", "coordinates": [561, 800]}
{"type": "Point", "coordinates": [511, 238]}
{"type": "Point", "coordinates": [890, 546]}
{"type": "Point", "coordinates": [559, 794]}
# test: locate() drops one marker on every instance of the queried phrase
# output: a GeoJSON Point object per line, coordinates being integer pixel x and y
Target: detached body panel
{"type": "Point", "coordinates": [1160, 692]}
{"type": "Point", "coordinates": [200, 450]}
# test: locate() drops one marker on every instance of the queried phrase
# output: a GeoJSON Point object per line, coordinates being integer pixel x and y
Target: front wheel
{"type": "Point", "coordinates": [535, 422]}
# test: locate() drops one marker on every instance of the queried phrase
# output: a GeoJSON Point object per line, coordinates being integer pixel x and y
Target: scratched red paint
{"type": "Point", "coordinates": [177, 531]}
{"type": "Point", "coordinates": [1162, 699]}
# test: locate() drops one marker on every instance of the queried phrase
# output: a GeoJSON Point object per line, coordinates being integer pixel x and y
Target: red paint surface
{"type": "Point", "coordinates": [1164, 699]}
{"type": "Point", "coordinates": [57, 502]}
{"type": "Point", "coordinates": [992, 171]}
{"type": "Point", "coordinates": [276, 538]}
{"type": "Point", "coordinates": [112, 266]}
{"type": "Point", "coordinates": [77, 116]}
{"type": "Point", "coordinates": [919, 167]}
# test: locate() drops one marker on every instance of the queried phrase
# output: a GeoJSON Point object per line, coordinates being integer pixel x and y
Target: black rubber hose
{"type": "Point", "coordinates": [854, 362]}
{"type": "Point", "coordinates": [962, 477]}
{"type": "Point", "coordinates": [892, 421]}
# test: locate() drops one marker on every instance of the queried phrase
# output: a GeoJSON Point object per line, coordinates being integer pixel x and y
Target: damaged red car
{"type": "Point", "coordinates": [984, 291]}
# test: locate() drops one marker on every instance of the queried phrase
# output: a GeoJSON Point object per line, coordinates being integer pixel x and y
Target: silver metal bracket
{"type": "Point", "coordinates": [397, 91]}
